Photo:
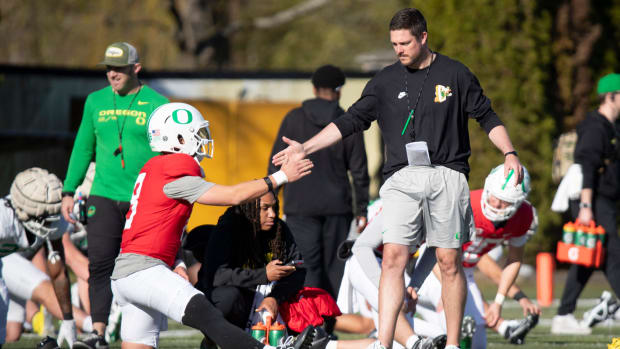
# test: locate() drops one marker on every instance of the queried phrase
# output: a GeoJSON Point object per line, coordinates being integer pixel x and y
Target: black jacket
{"type": "Point", "coordinates": [227, 254]}
{"type": "Point", "coordinates": [326, 191]}
{"type": "Point", "coordinates": [597, 153]}
{"type": "Point", "coordinates": [450, 95]}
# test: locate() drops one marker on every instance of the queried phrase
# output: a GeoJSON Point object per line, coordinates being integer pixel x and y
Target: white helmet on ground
{"type": "Point", "coordinates": [179, 128]}
{"type": "Point", "coordinates": [505, 189]}
{"type": "Point", "coordinates": [36, 197]}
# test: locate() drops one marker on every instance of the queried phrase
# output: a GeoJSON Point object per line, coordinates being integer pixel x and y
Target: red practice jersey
{"type": "Point", "coordinates": [155, 222]}
{"type": "Point", "coordinates": [487, 236]}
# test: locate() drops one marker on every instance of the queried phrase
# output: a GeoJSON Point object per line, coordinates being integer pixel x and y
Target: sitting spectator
{"type": "Point", "coordinates": [250, 247]}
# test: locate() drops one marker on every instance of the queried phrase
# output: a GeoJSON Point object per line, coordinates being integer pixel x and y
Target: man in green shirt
{"type": "Point", "coordinates": [113, 134]}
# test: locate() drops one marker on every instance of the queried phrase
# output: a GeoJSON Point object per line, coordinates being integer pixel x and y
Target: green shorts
{"type": "Point", "coordinates": [426, 203]}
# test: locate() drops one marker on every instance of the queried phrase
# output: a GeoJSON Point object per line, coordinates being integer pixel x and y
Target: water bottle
{"type": "Point", "coordinates": [276, 334]}
{"type": "Point", "coordinates": [568, 233]}
{"type": "Point", "coordinates": [259, 332]}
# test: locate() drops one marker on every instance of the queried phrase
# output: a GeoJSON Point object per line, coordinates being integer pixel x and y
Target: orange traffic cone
{"type": "Point", "coordinates": [544, 278]}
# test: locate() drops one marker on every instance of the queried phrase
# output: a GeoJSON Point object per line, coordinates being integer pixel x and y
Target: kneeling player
{"type": "Point", "coordinates": [149, 281]}
{"type": "Point", "coordinates": [501, 214]}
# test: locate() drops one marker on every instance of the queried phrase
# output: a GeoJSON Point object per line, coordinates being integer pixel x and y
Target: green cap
{"type": "Point", "coordinates": [609, 83]}
{"type": "Point", "coordinates": [120, 54]}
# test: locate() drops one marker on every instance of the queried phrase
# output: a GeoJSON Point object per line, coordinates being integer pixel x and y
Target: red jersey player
{"type": "Point", "coordinates": [149, 280]}
{"type": "Point", "coordinates": [501, 214]}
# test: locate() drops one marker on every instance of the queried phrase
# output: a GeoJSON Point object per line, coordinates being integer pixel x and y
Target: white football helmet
{"type": "Point", "coordinates": [180, 128]}
{"type": "Point", "coordinates": [36, 198]}
{"type": "Point", "coordinates": [504, 188]}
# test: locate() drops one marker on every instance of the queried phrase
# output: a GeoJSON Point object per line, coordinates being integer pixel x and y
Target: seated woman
{"type": "Point", "coordinates": [250, 246]}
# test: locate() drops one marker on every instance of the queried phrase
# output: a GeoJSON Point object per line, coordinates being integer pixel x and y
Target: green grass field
{"type": "Point", "coordinates": [540, 337]}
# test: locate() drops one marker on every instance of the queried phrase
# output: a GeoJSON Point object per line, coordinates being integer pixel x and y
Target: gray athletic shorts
{"type": "Point", "coordinates": [426, 201]}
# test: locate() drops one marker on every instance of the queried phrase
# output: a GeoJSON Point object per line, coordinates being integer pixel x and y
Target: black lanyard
{"type": "Point", "coordinates": [417, 100]}
{"type": "Point", "coordinates": [120, 128]}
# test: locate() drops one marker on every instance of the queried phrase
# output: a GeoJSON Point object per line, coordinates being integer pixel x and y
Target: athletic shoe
{"type": "Point", "coordinates": [600, 312]}
{"type": "Point", "coordinates": [614, 310]}
{"type": "Point", "coordinates": [303, 340]}
{"type": "Point", "coordinates": [567, 324]}
{"type": "Point", "coordinates": [439, 342]}
{"type": "Point", "coordinates": [516, 334]}
{"type": "Point", "coordinates": [113, 330]}
{"type": "Point", "coordinates": [48, 343]}
{"type": "Point", "coordinates": [468, 327]}
{"type": "Point", "coordinates": [91, 341]}
{"type": "Point", "coordinates": [423, 343]}
{"type": "Point", "coordinates": [321, 338]}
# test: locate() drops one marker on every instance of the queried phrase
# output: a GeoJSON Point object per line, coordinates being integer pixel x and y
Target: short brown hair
{"type": "Point", "coordinates": [409, 18]}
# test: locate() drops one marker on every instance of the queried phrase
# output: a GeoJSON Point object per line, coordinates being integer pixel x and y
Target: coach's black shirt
{"type": "Point", "coordinates": [450, 95]}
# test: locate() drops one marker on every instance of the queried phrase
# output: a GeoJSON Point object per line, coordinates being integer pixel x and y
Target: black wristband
{"type": "Point", "coordinates": [67, 193]}
{"type": "Point", "coordinates": [514, 152]}
{"type": "Point", "coordinates": [67, 316]}
{"type": "Point", "coordinates": [269, 184]}
{"type": "Point", "coordinates": [519, 295]}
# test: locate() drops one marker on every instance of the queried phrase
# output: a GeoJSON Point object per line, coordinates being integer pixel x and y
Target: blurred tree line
{"type": "Point", "coordinates": [538, 61]}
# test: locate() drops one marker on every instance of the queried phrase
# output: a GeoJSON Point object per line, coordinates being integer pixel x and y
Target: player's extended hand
{"type": "Point", "coordinates": [294, 150]}
{"type": "Point", "coordinates": [67, 332]}
{"type": "Point", "coordinates": [182, 271]}
{"type": "Point", "coordinates": [411, 300]}
{"type": "Point", "coordinates": [66, 208]}
{"type": "Point", "coordinates": [493, 314]}
{"type": "Point", "coordinates": [276, 271]}
{"type": "Point", "coordinates": [529, 307]}
{"type": "Point", "coordinates": [270, 305]}
{"type": "Point", "coordinates": [296, 167]}
{"type": "Point", "coordinates": [511, 162]}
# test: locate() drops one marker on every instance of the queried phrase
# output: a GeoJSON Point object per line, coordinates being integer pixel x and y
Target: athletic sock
{"type": "Point", "coordinates": [411, 341]}
{"type": "Point", "coordinates": [451, 347]}
{"type": "Point", "coordinates": [332, 345]}
{"type": "Point", "coordinates": [87, 324]}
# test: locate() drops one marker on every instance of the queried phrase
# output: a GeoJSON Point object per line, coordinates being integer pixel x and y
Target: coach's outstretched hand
{"type": "Point", "coordinates": [295, 166]}
{"type": "Point", "coordinates": [294, 149]}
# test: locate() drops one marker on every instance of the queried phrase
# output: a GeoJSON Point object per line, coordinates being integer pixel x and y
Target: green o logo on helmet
{"type": "Point", "coordinates": [175, 116]}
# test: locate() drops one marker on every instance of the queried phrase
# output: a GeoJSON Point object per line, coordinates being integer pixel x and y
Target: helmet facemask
{"type": "Point", "coordinates": [204, 145]}
{"type": "Point", "coordinates": [43, 227]}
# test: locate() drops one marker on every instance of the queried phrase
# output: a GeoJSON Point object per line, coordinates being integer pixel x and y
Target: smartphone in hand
{"type": "Point", "coordinates": [296, 263]}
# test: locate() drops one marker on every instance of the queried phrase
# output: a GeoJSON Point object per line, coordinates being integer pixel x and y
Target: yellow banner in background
{"type": "Point", "coordinates": [243, 134]}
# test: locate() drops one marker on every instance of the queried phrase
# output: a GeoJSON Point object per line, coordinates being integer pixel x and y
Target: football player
{"type": "Point", "coordinates": [29, 218]}
{"type": "Point", "coordinates": [501, 214]}
{"type": "Point", "coordinates": [149, 281]}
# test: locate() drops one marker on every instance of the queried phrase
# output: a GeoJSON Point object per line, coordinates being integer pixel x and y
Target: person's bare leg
{"type": "Point", "coordinates": [453, 291]}
{"type": "Point", "coordinates": [391, 290]}
{"type": "Point", "coordinates": [354, 323]}
{"type": "Point", "coordinates": [403, 329]}
{"type": "Point", "coordinates": [44, 294]}
{"type": "Point", "coordinates": [14, 331]}
{"type": "Point", "coordinates": [83, 292]}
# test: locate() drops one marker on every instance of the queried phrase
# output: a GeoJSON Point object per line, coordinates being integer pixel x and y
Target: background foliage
{"type": "Point", "coordinates": [538, 61]}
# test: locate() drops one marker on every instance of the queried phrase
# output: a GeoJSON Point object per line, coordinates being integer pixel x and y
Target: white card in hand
{"type": "Point", "coordinates": [417, 154]}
